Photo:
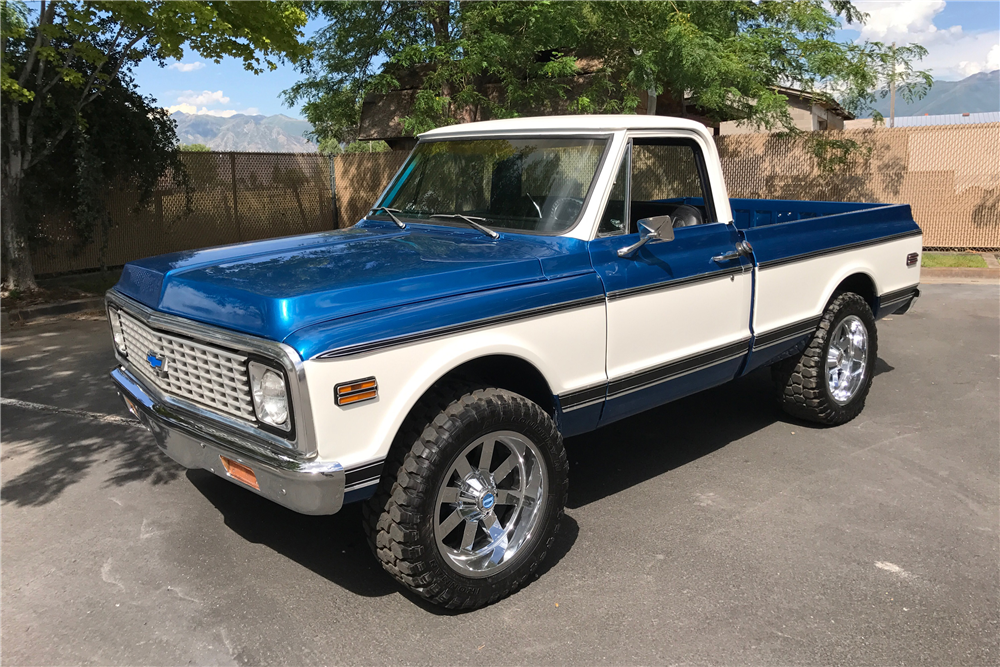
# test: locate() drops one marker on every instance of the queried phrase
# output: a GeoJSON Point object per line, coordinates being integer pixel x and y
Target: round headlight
{"type": "Point", "coordinates": [270, 397]}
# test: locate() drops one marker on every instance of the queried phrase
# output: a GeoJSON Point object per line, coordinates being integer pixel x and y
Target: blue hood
{"type": "Point", "coordinates": [272, 288]}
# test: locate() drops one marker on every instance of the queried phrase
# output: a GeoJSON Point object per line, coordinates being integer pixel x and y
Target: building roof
{"type": "Point", "coordinates": [926, 120]}
{"type": "Point", "coordinates": [568, 124]}
{"type": "Point", "coordinates": [828, 104]}
{"type": "Point", "coordinates": [948, 119]}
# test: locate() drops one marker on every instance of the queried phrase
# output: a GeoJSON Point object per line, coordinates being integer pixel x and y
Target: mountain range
{"type": "Point", "coordinates": [240, 132]}
{"type": "Point", "coordinates": [978, 93]}
{"type": "Point", "coordinates": [282, 134]}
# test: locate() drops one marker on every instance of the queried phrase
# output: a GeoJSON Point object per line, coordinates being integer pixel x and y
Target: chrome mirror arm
{"type": "Point", "coordinates": [649, 230]}
{"type": "Point", "coordinates": [628, 250]}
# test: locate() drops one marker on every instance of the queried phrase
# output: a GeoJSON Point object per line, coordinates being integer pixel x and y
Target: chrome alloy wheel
{"type": "Point", "coordinates": [490, 504]}
{"type": "Point", "coordinates": [847, 359]}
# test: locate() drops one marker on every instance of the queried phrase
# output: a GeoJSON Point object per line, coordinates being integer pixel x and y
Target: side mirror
{"type": "Point", "coordinates": [657, 228]}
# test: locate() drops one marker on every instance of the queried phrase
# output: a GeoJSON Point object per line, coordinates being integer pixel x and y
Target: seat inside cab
{"type": "Point", "coordinates": [662, 177]}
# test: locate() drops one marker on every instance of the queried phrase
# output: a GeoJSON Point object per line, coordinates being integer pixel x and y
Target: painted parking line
{"type": "Point", "coordinates": [96, 416]}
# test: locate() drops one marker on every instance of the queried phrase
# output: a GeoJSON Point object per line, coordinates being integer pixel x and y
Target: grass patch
{"type": "Point", "coordinates": [948, 260]}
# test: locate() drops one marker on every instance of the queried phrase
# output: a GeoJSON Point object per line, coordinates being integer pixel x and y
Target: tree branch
{"type": "Point", "coordinates": [47, 11]}
{"type": "Point", "coordinates": [86, 98]}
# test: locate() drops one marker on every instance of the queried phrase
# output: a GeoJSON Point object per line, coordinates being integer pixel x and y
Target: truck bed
{"type": "Point", "coordinates": [749, 213]}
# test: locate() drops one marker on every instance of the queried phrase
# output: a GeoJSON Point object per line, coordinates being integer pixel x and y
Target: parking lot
{"type": "Point", "coordinates": [712, 530]}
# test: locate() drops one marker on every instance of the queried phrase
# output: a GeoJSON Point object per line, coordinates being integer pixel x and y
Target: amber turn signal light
{"type": "Point", "coordinates": [240, 472]}
{"type": "Point", "coordinates": [355, 391]}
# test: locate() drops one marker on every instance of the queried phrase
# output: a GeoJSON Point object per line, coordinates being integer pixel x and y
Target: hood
{"type": "Point", "coordinates": [272, 288]}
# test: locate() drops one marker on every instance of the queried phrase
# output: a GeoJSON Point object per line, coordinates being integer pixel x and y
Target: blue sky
{"type": "Point", "coordinates": [962, 37]}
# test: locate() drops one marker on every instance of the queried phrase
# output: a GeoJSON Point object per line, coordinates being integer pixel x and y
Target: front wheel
{"type": "Point", "coordinates": [477, 500]}
{"type": "Point", "coordinates": [829, 381]}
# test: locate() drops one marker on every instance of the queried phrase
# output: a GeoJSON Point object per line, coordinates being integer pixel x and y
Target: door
{"type": "Point", "coordinates": [679, 310]}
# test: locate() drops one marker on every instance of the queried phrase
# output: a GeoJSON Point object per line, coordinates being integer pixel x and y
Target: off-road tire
{"type": "Point", "coordinates": [800, 381]}
{"type": "Point", "coordinates": [399, 516]}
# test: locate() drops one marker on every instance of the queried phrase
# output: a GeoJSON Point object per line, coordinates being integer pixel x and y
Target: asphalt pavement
{"type": "Point", "coordinates": [714, 530]}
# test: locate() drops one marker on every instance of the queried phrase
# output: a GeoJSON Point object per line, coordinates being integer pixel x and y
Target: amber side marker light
{"type": "Point", "coordinates": [355, 391]}
{"type": "Point", "coordinates": [240, 472]}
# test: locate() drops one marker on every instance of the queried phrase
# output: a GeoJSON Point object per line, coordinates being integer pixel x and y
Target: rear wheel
{"type": "Point", "coordinates": [829, 382]}
{"type": "Point", "coordinates": [476, 503]}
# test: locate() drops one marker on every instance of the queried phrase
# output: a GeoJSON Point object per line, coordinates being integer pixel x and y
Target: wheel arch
{"type": "Point", "coordinates": [506, 371]}
{"type": "Point", "coordinates": [858, 280]}
{"type": "Point", "coordinates": [497, 369]}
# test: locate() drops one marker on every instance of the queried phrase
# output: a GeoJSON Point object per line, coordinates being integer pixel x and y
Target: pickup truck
{"type": "Point", "coordinates": [518, 282]}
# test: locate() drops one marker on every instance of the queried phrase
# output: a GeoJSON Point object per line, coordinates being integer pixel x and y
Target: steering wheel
{"type": "Point", "coordinates": [563, 210]}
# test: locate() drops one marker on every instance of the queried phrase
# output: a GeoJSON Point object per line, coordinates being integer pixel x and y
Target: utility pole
{"type": "Point", "coordinates": [892, 87]}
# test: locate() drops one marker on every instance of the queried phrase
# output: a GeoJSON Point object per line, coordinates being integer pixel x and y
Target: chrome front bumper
{"type": "Point", "coordinates": [304, 485]}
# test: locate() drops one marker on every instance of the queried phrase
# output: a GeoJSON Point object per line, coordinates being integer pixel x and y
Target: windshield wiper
{"type": "Point", "coordinates": [471, 221]}
{"type": "Point", "coordinates": [391, 213]}
{"type": "Point", "coordinates": [537, 207]}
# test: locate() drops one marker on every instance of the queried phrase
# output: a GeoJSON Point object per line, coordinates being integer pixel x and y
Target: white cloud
{"type": "Point", "coordinates": [991, 63]}
{"type": "Point", "coordinates": [186, 67]}
{"type": "Point", "coordinates": [901, 21]}
{"type": "Point", "coordinates": [204, 97]}
{"type": "Point", "coordinates": [204, 111]}
{"type": "Point", "coordinates": [952, 52]}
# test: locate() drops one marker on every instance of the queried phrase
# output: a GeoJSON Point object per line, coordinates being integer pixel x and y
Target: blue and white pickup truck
{"type": "Point", "coordinates": [519, 282]}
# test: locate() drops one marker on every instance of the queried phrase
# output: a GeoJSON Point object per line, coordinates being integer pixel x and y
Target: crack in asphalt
{"type": "Point", "coordinates": [97, 416]}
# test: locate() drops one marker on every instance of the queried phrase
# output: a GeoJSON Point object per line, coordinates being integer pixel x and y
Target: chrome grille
{"type": "Point", "coordinates": [204, 374]}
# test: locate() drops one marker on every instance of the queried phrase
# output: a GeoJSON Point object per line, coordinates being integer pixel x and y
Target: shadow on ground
{"type": "Point", "coordinates": [63, 449]}
{"type": "Point", "coordinates": [634, 450]}
{"type": "Point", "coordinates": [334, 547]}
{"type": "Point", "coordinates": [603, 463]}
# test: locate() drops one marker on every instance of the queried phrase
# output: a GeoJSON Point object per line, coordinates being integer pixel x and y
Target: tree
{"type": "Point", "coordinates": [121, 138]}
{"type": "Point", "coordinates": [500, 59]}
{"type": "Point", "coordinates": [72, 52]}
{"type": "Point", "coordinates": [331, 146]}
{"type": "Point", "coordinates": [194, 148]}
{"type": "Point", "coordinates": [895, 75]}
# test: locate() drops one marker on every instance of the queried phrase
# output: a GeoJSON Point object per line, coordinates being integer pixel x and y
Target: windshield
{"type": "Point", "coordinates": [535, 185]}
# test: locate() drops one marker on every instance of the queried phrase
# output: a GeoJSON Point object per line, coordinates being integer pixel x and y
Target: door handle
{"type": "Point", "coordinates": [728, 257]}
{"type": "Point", "coordinates": [743, 249]}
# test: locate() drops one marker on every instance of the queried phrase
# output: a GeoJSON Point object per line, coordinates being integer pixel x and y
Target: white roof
{"type": "Point", "coordinates": [947, 119]}
{"type": "Point", "coordinates": [581, 123]}
{"type": "Point", "coordinates": [925, 120]}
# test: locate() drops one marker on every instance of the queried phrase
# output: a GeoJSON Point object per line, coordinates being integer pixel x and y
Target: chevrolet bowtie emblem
{"type": "Point", "coordinates": [157, 362]}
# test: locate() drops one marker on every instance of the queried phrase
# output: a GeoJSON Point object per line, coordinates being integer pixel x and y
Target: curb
{"type": "Point", "coordinates": [974, 274]}
{"type": "Point", "coordinates": [51, 309]}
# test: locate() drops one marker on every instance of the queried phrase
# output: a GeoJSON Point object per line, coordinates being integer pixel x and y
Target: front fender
{"type": "Point", "coordinates": [567, 347]}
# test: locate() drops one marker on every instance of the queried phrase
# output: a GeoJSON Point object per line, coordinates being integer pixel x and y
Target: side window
{"type": "Point", "coordinates": [613, 220]}
{"type": "Point", "coordinates": [667, 180]}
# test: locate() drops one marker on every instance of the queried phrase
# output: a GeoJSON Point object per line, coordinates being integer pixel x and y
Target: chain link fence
{"type": "Point", "coordinates": [950, 175]}
{"type": "Point", "coordinates": [232, 197]}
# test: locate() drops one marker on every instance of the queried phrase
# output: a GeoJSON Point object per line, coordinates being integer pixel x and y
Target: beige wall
{"type": "Point", "coordinates": [806, 116]}
{"type": "Point", "coordinates": [949, 175]}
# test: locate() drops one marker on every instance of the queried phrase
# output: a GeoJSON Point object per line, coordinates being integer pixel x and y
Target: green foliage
{"type": "Point", "coordinates": [61, 58]}
{"type": "Point", "coordinates": [71, 36]}
{"type": "Point", "coordinates": [194, 148]}
{"type": "Point", "coordinates": [501, 59]}
{"type": "Point", "coordinates": [833, 153]}
{"type": "Point", "coordinates": [885, 68]}
{"type": "Point", "coordinates": [121, 139]}
{"type": "Point", "coordinates": [366, 147]}
{"type": "Point", "coordinates": [330, 146]}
